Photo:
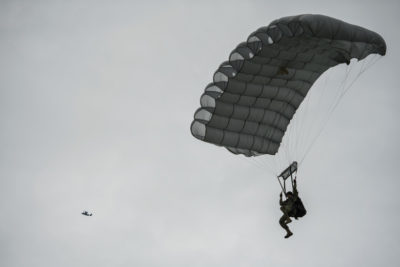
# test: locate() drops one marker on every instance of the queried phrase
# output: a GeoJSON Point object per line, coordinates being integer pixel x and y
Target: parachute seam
{"type": "Point", "coordinates": [214, 111]}
{"type": "Point", "coordinates": [221, 99]}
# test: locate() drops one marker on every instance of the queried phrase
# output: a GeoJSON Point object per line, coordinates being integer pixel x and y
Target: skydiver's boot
{"type": "Point", "coordinates": [289, 234]}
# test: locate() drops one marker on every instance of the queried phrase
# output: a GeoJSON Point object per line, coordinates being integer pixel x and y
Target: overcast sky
{"type": "Point", "coordinates": [96, 101]}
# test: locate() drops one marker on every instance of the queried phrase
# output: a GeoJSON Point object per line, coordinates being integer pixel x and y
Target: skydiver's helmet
{"type": "Point", "coordinates": [289, 194]}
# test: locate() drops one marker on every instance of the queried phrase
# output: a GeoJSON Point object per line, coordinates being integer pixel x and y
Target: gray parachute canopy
{"type": "Point", "coordinates": [248, 106]}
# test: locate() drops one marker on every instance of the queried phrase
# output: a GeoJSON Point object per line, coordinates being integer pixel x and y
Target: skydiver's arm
{"type": "Point", "coordinates": [280, 199]}
{"type": "Point", "coordinates": [295, 192]}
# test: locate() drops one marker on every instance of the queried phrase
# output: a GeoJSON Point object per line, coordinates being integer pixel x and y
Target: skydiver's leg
{"type": "Point", "coordinates": [283, 222]}
{"type": "Point", "coordinates": [288, 220]}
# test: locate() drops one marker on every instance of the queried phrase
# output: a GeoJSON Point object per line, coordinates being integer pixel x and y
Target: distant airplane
{"type": "Point", "coordinates": [86, 213]}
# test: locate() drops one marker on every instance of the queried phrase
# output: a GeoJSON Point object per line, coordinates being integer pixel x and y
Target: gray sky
{"type": "Point", "coordinates": [96, 101]}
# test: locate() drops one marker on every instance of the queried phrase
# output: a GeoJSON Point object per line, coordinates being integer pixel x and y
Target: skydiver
{"type": "Point", "coordinates": [289, 208]}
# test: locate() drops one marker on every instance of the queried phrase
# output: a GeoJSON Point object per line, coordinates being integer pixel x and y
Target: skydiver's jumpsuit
{"type": "Point", "coordinates": [287, 207]}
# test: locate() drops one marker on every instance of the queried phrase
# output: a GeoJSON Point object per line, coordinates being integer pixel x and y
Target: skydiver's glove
{"type": "Point", "coordinates": [280, 195]}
